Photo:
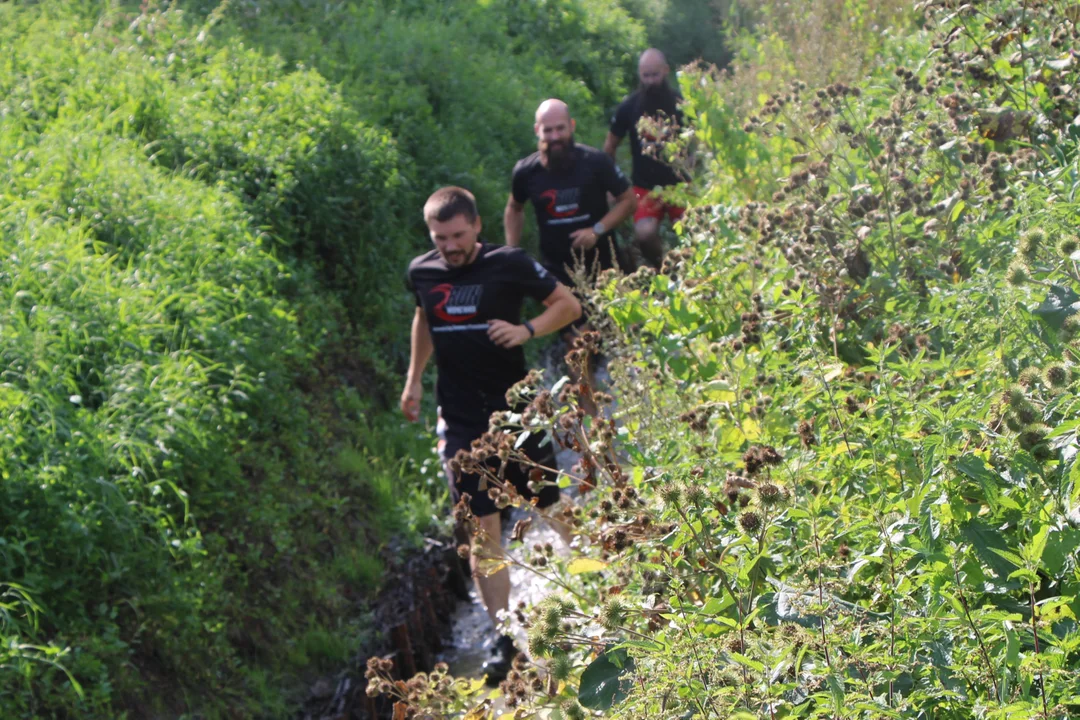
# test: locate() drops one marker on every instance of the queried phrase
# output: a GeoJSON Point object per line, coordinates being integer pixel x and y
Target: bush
{"type": "Point", "coordinates": [458, 87]}
{"type": "Point", "coordinates": [174, 287]}
{"type": "Point", "coordinates": [687, 31]}
{"type": "Point", "coordinates": [845, 483]}
{"type": "Point", "coordinates": [202, 323]}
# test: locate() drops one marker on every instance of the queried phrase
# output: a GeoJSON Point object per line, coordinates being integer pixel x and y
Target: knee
{"type": "Point", "coordinates": [646, 232]}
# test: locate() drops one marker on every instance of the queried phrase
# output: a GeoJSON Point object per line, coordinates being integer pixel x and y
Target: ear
{"type": "Point", "coordinates": [536, 129]}
{"type": "Point", "coordinates": [479, 224]}
{"type": "Point", "coordinates": [573, 125]}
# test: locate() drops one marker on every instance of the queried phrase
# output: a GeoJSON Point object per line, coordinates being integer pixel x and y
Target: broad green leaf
{"type": "Point", "coordinates": [1060, 303]}
{"type": "Point", "coordinates": [986, 542]}
{"type": "Point", "coordinates": [599, 688]}
{"type": "Point", "coordinates": [1033, 551]}
{"type": "Point", "coordinates": [976, 468]}
{"type": "Point", "coordinates": [748, 662]}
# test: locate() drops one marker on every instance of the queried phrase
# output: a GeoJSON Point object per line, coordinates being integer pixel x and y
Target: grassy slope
{"type": "Point", "coordinates": [195, 462]}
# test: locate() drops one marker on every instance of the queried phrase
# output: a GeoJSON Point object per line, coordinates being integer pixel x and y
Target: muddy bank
{"type": "Point", "coordinates": [415, 611]}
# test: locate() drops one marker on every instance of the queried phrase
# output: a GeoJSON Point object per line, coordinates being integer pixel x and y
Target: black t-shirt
{"type": "Point", "coordinates": [474, 372]}
{"type": "Point", "coordinates": [567, 200]}
{"type": "Point", "coordinates": [648, 172]}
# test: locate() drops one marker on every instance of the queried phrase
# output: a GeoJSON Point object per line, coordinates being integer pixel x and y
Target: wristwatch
{"type": "Point", "coordinates": [599, 229]}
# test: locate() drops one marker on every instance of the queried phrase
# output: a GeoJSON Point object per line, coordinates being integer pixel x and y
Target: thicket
{"type": "Point", "coordinates": [689, 30]}
{"type": "Point", "coordinates": [844, 479]}
{"type": "Point", "coordinates": [202, 319]}
{"type": "Point", "coordinates": [457, 84]}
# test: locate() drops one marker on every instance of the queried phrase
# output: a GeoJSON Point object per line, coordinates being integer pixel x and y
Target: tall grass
{"type": "Point", "coordinates": [181, 225]}
{"type": "Point", "coordinates": [201, 323]}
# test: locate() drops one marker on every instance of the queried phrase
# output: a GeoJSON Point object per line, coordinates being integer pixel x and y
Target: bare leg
{"type": "Point", "coordinates": [494, 588]}
{"type": "Point", "coordinates": [647, 238]}
{"type": "Point", "coordinates": [558, 525]}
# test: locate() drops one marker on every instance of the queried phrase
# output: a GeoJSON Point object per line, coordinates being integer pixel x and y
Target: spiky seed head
{"type": "Point", "coordinates": [1017, 274]}
{"type": "Point", "coordinates": [565, 606]}
{"type": "Point", "coordinates": [1057, 375]}
{"type": "Point", "coordinates": [551, 616]}
{"type": "Point", "coordinates": [1015, 396]}
{"type": "Point", "coordinates": [1070, 329]}
{"type": "Point", "coordinates": [1067, 246]}
{"type": "Point", "coordinates": [1029, 377]}
{"type": "Point", "coordinates": [695, 494]}
{"type": "Point", "coordinates": [671, 495]}
{"type": "Point", "coordinates": [1013, 423]}
{"type": "Point", "coordinates": [771, 495]}
{"type": "Point", "coordinates": [562, 666]}
{"type": "Point", "coordinates": [613, 614]}
{"type": "Point", "coordinates": [573, 711]}
{"type": "Point", "coordinates": [1027, 413]}
{"type": "Point", "coordinates": [539, 643]}
{"type": "Point", "coordinates": [1031, 242]}
{"type": "Point", "coordinates": [1032, 435]}
{"type": "Point", "coordinates": [750, 521]}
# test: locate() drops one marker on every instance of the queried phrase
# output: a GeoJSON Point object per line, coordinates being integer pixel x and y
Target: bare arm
{"type": "Point", "coordinates": [513, 221]}
{"type": "Point", "coordinates": [624, 207]}
{"type": "Point", "coordinates": [420, 349]}
{"type": "Point", "coordinates": [611, 144]}
{"type": "Point", "coordinates": [561, 309]}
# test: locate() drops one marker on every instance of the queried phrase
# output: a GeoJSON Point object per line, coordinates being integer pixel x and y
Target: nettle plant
{"type": "Point", "coordinates": [842, 480]}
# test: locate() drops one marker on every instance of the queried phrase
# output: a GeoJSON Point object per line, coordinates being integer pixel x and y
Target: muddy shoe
{"type": "Point", "coordinates": [502, 659]}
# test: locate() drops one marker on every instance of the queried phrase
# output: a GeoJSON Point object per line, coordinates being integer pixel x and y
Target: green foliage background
{"type": "Point", "coordinates": [205, 215]}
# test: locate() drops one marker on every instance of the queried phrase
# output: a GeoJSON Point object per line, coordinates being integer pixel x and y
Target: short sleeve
{"type": "Point", "coordinates": [410, 286]}
{"type": "Point", "coordinates": [532, 277]}
{"type": "Point", "coordinates": [612, 177]}
{"type": "Point", "coordinates": [620, 120]}
{"type": "Point", "coordinates": [518, 187]}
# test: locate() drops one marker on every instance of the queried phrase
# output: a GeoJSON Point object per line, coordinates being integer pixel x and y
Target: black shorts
{"type": "Point", "coordinates": [535, 448]}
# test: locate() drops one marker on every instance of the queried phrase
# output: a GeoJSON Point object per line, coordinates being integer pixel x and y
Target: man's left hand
{"type": "Point", "coordinates": [583, 239]}
{"type": "Point", "coordinates": [507, 335]}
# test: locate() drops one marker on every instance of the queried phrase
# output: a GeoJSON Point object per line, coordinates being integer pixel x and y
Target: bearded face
{"type": "Point", "coordinates": [558, 152]}
{"type": "Point", "coordinates": [657, 95]}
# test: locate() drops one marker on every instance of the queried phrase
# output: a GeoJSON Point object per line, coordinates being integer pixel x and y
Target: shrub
{"type": "Point", "coordinates": [845, 482]}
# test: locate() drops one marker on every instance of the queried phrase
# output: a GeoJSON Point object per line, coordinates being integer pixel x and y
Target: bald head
{"type": "Point", "coordinates": [652, 68]}
{"type": "Point", "coordinates": [652, 58]}
{"type": "Point", "coordinates": [554, 132]}
{"type": "Point", "coordinates": [552, 111]}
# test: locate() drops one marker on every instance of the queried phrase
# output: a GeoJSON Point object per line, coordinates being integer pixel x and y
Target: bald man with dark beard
{"type": "Point", "coordinates": [568, 186]}
{"type": "Point", "coordinates": [656, 100]}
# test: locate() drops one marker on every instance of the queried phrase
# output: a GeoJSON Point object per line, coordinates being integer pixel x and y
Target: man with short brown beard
{"type": "Point", "coordinates": [568, 185]}
{"type": "Point", "coordinates": [469, 296]}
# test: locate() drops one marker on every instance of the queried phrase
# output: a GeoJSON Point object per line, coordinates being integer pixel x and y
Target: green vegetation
{"type": "Point", "coordinates": [205, 218]}
{"type": "Point", "coordinates": [457, 84]}
{"type": "Point", "coordinates": [687, 30]}
{"type": "Point", "coordinates": [845, 481]}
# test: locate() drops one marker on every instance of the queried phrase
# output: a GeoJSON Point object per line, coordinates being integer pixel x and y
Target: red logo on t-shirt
{"type": "Point", "coordinates": [459, 303]}
{"type": "Point", "coordinates": [560, 203]}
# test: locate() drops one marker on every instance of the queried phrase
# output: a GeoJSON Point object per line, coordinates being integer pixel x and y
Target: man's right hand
{"type": "Point", "coordinates": [410, 401]}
